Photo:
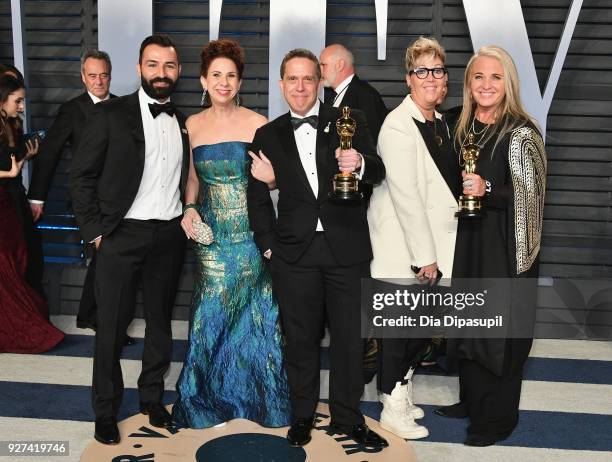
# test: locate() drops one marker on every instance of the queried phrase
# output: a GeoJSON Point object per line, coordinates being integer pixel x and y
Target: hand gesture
{"type": "Point", "coordinates": [32, 148]}
{"type": "Point", "coordinates": [189, 216]}
{"type": "Point", "coordinates": [16, 167]}
{"type": "Point", "coordinates": [262, 169]}
{"type": "Point", "coordinates": [349, 160]}
{"type": "Point", "coordinates": [473, 184]}
{"type": "Point", "coordinates": [37, 211]}
{"type": "Point", "coordinates": [428, 273]}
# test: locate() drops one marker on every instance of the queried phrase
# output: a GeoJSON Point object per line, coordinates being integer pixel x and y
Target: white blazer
{"type": "Point", "coordinates": [411, 213]}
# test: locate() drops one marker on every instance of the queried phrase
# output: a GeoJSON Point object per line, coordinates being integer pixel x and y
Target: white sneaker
{"type": "Point", "coordinates": [415, 411]}
{"type": "Point", "coordinates": [396, 418]}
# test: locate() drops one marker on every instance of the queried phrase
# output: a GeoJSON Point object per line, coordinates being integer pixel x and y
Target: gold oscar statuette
{"type": "Point", "coordinates": [346, 184]}
{"type": "Point", "coordinates": [470, 206]}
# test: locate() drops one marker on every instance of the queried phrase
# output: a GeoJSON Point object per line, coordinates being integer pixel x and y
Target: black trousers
{"type": "Point", "coordinates": [308, 291]}
{"type": "Point", "coordinates": [86, 317]}
{"type": "Point", "coordinates": [153, 252]}
{"type": "Point", "coordinates": [395, 357]}
{"type": "Point", "coordinates": [492, 400]}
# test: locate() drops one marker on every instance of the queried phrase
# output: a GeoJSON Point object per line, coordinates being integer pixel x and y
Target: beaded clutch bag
{"type": "Point", "coordinates": [204, 234]}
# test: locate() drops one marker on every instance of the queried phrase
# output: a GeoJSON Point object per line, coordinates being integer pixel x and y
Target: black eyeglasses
{"type": "Point", "coordinates": [423, 72]}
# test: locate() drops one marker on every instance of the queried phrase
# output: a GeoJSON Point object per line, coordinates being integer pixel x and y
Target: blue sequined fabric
{"type": "Point", "coordinates": [234, 366]}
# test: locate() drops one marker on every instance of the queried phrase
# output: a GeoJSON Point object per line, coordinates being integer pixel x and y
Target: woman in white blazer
{"type": "Point", "coordinates": [411, 216]}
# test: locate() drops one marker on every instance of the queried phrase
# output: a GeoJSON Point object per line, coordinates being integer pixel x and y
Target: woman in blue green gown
{"type": "Point", "coordinates": [234, 366]}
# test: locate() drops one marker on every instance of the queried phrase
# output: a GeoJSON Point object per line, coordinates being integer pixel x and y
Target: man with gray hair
{"type": "Point", "coordinates": [338, 70]}
{"type": "Point", "coordinates": [67, 128]}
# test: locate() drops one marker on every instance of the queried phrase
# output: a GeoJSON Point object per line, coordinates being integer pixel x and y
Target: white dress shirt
{"type": "Point", "coordinates": [158, 196]}
{"type": "Point", "coordinates": [97, 100]}
{"type": "Point", "coordinates": [341, 90]}
{"type": "Point", "coordinates": [306, 141]}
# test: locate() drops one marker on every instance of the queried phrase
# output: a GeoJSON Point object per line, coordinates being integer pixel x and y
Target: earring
{"type": "Point", "coordinates": [237, 99]}
{"type": "Point", "coordinates": [203, 100]}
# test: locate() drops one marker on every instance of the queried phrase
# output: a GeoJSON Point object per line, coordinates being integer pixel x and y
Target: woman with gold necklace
{"type": "Point", "coordinates": [510, 180]}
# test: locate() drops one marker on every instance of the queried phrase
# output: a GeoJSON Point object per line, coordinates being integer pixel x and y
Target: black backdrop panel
{"type": "Point", "coordinates": [578, 217]}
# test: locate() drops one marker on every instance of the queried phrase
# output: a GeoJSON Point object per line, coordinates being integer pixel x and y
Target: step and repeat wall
{"type": "Point", "coordinates": [577, 239]}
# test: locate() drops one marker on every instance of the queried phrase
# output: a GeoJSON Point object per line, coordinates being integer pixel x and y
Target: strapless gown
{"type": "Point", "coordinates": [234, 366]}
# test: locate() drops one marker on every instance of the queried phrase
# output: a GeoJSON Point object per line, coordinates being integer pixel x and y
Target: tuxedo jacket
{"type": "Point", "coordinates": [108, 165]}
{"type": "Point", "coordinates": [289, 234]}
{"type": "Point", "coordinates": [66, 128]}
{"type": "Point", "coordinates": [411, 213]}
{"type": "Point", "coordinates": [363, 96]}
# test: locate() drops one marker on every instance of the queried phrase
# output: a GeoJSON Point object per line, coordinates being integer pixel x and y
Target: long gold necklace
{"type": "Point", "coordinates": [473, 129]}
{"type": "Point", "coordinates": [482, 133]}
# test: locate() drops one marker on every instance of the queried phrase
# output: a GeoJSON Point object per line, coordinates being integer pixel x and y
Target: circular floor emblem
{"type": "Point", "coordinates": [249, 446]}
{"type": "Point", "coordinates": [241, 440]}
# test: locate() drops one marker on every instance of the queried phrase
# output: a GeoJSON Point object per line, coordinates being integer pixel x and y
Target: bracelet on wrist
{"type": "Point", "coordinates": [191, 205]}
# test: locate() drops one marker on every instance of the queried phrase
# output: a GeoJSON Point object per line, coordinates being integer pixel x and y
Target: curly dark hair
{"type": "Point", "coordinates": [222, 48]}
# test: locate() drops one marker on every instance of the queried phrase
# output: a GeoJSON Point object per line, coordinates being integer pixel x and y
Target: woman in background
{"type": "Point", "coordinates": [510, 178]}
{"type": "Point", "coordinates": [24, 326]}
{"type": "Point", "coordinates": [234, 366]}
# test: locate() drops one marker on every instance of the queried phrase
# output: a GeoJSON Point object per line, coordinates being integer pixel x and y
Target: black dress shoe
{"type": "Point", "coordinates": [362, 435]}
{"type": "Point", "coordinates": [107, 431]}
{"type": "Point", "coordinates": [158, 415]}
{"type": "Point", "coordinates": [299, 433]}
{"type": "Point", "coordinates": [129, 340]}
{"type": "Point", "coordinates": [454, 411]}
{"type": "Point", "coordinates": [480, 441]}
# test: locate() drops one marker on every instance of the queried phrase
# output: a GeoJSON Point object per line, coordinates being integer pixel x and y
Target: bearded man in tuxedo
{"type": "Point", "coordinates": [127, 181]}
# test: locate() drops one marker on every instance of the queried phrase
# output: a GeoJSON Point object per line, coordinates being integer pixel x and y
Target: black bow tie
{"type": "Point", "coordinates": [156, 109]}
{"type": "Point", "coordinates": [297, 122]}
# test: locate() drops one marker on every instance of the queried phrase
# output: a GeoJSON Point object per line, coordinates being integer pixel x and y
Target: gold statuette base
{"type": "Point", "coordinates": [346, 188]}
{"type": "Point", "coordinates": [470, 207]}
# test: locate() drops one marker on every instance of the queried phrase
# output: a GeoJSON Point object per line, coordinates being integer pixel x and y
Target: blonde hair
{"type": "Point", "coordinates": [510, 114]}
{"type": "Point", "coordinates": [428, 46]}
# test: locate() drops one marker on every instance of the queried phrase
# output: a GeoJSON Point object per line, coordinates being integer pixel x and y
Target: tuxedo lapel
{"type": "Point", "coordinates": [350, 94]}
{"type": "Point", "coordinates": [287, 140]}
{"type": "Point", "coordinates": [438, 153]}
{"type": "Point", "coordinates": [326, 127]}
{"type": "Point", "coordinates": [85, 104]}
{"type": "Point", "coordinates": [135, 124]}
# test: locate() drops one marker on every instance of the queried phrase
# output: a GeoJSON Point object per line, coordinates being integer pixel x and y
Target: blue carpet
{"type": "Point", "coordinates": [542, 369]}
{"type": "Point", "coordinates": [536, 429]}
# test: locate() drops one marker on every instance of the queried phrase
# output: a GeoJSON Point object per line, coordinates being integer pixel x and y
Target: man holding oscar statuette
{"type": "Point", "coordinates": [318, 249]}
